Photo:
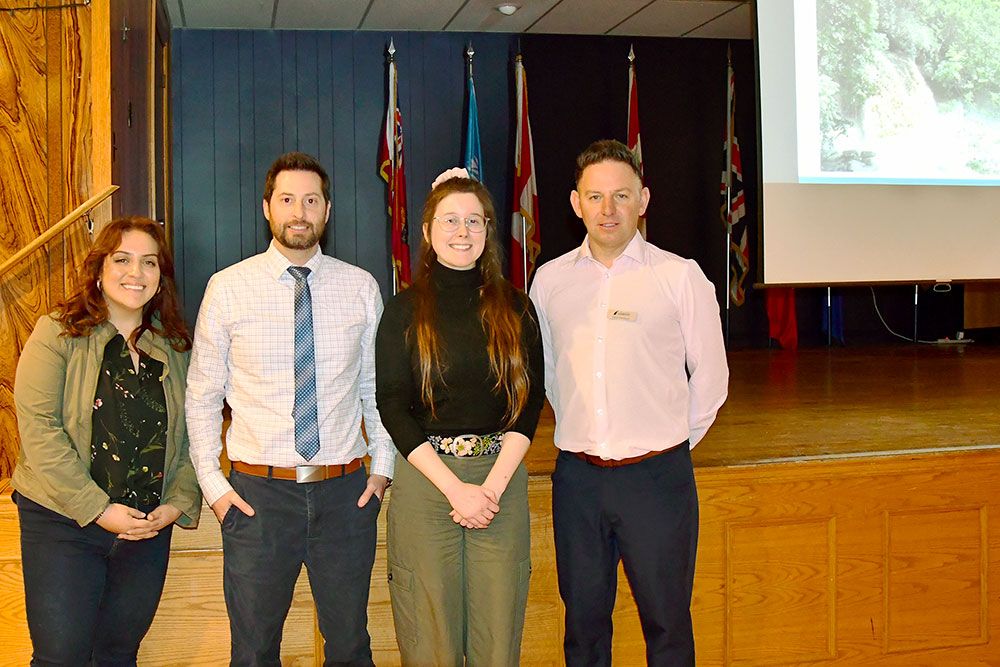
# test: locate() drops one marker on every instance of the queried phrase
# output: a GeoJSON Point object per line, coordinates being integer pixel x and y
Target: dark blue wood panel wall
{"type": "Point", "coordinates": [241, 98]}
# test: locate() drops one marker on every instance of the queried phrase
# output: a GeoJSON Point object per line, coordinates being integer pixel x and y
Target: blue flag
{"type": "Point", "coordinates": [473, 150]}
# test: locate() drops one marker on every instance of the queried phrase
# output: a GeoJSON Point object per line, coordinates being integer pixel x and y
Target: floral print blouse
{"type": "Point", "coordinates": [129, 427]}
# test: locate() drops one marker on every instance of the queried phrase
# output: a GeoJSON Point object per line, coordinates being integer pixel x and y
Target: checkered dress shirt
{"type": "Point", "coordinates": [244, 352]}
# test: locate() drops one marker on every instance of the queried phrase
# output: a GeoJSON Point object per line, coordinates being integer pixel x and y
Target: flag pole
{"type": "Point", "coordinates": [729, 184]}
{"type": "Point", "coordinates": [395, 269]}
{"type": "Point", "coordinates": [518, 63]}
{"type": "Point", "coordinates": [524, 251]}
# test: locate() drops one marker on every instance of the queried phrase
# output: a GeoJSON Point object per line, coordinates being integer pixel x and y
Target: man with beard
{"type": "Point", "coordinates": [287, 338]}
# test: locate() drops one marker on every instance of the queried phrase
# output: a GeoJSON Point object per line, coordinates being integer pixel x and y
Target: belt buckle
{"type": "Point", "coordinates": [305, 474]}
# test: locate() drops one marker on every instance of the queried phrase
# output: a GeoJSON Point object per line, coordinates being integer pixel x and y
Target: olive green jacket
{"type": "Point", "coordinates": [54, 397]}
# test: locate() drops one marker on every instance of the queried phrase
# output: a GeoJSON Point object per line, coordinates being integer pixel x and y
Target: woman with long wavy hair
{"type": "Point", "coordinates": [459, 387]}
{"type": "Point", "coordinates": [103, 472]}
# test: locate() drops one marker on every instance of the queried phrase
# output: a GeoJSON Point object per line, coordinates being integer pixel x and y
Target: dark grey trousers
{"type": "Point", "coordinates": [319, 525]}
{"type": "Point", "coordinates": [646, 515]}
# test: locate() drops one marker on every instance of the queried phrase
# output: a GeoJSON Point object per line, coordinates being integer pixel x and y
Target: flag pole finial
{"type": "Point", "coordinates": [631, 54]}
{"type": "Point", "coordinates": [469, 52]}
{"type": "Point", "coordinates": [392, 50]}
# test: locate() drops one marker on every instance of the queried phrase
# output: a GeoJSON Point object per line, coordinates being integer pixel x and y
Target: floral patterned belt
{"type": "Point", "coordinates": [467, 445]}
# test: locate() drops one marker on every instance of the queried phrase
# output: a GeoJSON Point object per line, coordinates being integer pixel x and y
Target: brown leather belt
{"type": "Point", "coordinates": [299, 474]}
{"type": "Point", "coordinates": [615, 463]}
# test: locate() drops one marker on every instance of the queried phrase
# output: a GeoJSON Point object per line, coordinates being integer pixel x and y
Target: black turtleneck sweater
{"type": "Point", "coordinates": [466, 401]}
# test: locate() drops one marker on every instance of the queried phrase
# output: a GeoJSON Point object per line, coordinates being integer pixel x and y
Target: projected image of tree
{"type": "Point", "coordinates": [909, 88]}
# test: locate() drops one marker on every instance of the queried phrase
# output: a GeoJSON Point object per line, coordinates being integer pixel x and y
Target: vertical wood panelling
{"type": "Point", "coordinates": [324, 127]}
{"type": "Point", "coordinates": [439, 111]}
{"type": "Point", "coordinates": [197, 192]}
{"type": "Point", "coordinates": [226, 144]}
{"type": "Point", "coordinates": [77, 124]}
{"type": "Point", "coordinates": [307, 85]}
{"type": "Point", "coordinates": [340, 239]}
{"type": "Point", "coordinates": [55, 268]}
{"type": "Point", "coordinates": [177, 87]}
{"type": "Point", "coordinates": [45, 169]}
{"type": "Point", "coordinates": [23, 197]}
{"type": "Point", "coordinates": [249, 204]}
{"type": "Point", "coordinates": [289, 92]}
{"type": "Point", "coordinates": [267, 121]}
{"type": "Point", "coordinates": [130, 40]}
{"type": "Point", "coordinates": [324, 93]}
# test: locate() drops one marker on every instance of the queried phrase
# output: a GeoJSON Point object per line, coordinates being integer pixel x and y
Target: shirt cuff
{"type": "Point", "coordinates": [383, 462]}
{"type": "Point", "coordinates": [214, 485]}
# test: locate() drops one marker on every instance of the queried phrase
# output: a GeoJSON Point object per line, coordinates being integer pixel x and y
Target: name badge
{"type": "Point", "coordinates": [623, 315]}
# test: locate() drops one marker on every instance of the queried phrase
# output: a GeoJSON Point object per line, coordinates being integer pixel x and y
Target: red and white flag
{"type": "Point", "coordinates": [634, 142]}
{"type": "Point", "coordinates": [391, 169]}
{"type": "Point", "coordinates": [733, 199]}
{"type": "Point", "coordinates": [526, 238]}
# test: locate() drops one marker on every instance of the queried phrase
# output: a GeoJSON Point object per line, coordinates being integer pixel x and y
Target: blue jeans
{"type": "Point", "coordinates": [318, 524]}
{"type": "Point", "coordinates": [90, 597]}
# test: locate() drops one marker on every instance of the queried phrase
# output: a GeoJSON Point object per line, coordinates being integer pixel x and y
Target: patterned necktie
{"type": "Point", "coordinates": [304, 412]}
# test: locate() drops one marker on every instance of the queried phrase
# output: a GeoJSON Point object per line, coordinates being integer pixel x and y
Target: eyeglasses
{"type": "Point", "coordinates": [475, 223]}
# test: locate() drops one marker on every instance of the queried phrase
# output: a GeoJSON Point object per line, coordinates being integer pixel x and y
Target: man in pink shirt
{"type": "Point", "coordinates": [635, 369]}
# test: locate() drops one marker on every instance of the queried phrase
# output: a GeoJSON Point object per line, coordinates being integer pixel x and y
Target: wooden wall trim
{"type": "Point", "coordinates": [100, 109]}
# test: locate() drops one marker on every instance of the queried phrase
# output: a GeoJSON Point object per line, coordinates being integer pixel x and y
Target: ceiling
{"type": "Point", "coordinates": [722, 19]}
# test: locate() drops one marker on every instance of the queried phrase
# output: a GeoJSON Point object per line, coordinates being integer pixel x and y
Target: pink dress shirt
{"type": "Point", "coordinates": [634, 356]}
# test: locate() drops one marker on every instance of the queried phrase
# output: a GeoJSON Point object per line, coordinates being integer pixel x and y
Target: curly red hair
{"type": "Point", "coordinates": [85, 308]}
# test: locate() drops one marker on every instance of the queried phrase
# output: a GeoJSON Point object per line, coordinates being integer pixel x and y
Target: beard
{"type": "Point", "coordinates": [298, 240]}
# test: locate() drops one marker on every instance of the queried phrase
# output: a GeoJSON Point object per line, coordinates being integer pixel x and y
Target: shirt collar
{"type": "Point", "coordinates": [277, 264]}
{"type": "Point", "coordinates": [636, 249]}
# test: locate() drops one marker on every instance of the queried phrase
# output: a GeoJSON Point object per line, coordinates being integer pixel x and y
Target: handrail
{"type": "Point", "coordinates": [49, 233]}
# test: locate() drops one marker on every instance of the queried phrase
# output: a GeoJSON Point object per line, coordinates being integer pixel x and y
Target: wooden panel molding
{"type": "Point", "coordinates": [781, 598]}
{"type": "Point", "coordinates": [936, 569]}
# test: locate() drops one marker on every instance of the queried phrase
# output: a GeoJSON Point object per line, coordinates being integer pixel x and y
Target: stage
{"type": "Point", "coordinates": [848, 516]}
{"type": "Point", "coordinates": [835, 402]}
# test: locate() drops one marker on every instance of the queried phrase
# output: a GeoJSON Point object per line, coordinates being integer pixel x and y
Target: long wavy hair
{"type": "Point", "coordinates": [498, 311]}
{"type": "Point", "coordinates": [85, 307]}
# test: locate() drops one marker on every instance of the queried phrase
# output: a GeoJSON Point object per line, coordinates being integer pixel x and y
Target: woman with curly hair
{"type": "Point", "coordinates": [103, 472]}
{"type": "Point", "coordinates": [459, 387]}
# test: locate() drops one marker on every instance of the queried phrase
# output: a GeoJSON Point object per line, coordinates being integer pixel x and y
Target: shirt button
{"type": "Point", "coordinates": [600, 339]}
{"type": "Point", "coordinates": [600, 411]}
{"type": "Point", "coordinates": [604, 304]}
{"type": "Point", "coordinates": [599, 375]}
{"type": "Point", "coordinates": [603, 445]}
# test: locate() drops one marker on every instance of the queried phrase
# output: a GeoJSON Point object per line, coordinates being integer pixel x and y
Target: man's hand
{"type": "Point", "coordinates": [376, 487]}
{"type": "Point", "coordinates": [227, 500]}
{"type": "Point", "coordinates": [156, 520]}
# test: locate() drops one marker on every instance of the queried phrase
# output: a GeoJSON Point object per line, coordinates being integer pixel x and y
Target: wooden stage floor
{"type": "Point", "coordinates": [843, 402]}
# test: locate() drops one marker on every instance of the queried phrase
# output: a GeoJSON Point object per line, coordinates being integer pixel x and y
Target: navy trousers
{"type": "Point", "coordinates": [318, 524]}
{"type": "Point", "coordinates": [90, 597]}
{"type": "Point", "coordinates": [646, 515]}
